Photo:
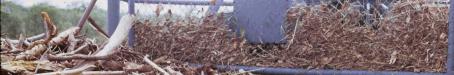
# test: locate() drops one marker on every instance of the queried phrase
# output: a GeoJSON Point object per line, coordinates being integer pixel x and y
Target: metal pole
{"type": "Point", "coordinates": [113, 15]}
{"type": "Point", "coordinates": [131, 34]}
{"type": "Point", "coordinates": [215, 7]}
{"type": "Point", "coordinates": [296, 71]}
{"type": "Point", "coordinates": [450, 61]}
{"type": "Point", "coordinates": [182, 2]}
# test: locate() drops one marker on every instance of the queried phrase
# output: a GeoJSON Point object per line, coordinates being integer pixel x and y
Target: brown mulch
{"type": "Point", "coordinates": [415, 37]}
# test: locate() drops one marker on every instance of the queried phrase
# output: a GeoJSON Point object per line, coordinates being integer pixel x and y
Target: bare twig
{"type": "Point", "coordinates": [50, 27]}
{"type": "Point", "coordinates": [104, 73]}
{"type": "Point", "coordinates": [72, 42]}
{"type": "Point", "coordinates": [114, 42]}
{"type": "Point", "coordinates": [77, 56]}
{"type": "Point", "coordinates": [62, 36]}
{"type": "Point", "coordinates": [75, 51]}
{"type": "Point", "coordinates": [173, 72]}
{"type": "Point", "coordinates": [31, 54]}
{"type": "Point", "coordinates": [293, 35]}
{"type": "Point", "coordinates": [85, 16]}
{"type": "Point", "coordinates": [21, 41]}
{"type": "Point", "coordinates": [154, 65]}
{"type": "Point", "coordinates": [95, 26]}
{"type": "Point", "coordinates": [32, 38]}
{"type": "Point", "coordinates": [69, 72]}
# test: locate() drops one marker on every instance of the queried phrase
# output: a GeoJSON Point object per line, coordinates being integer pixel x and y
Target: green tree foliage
{"type": "Point", "coordinates": [16, 19]}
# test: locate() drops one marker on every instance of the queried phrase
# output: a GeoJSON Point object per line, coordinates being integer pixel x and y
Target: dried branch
{"type": "Point", "coordinates": [114, 42]}
{"type": "Point", "coordinates": [118, 36]}
{"type": "Point", "coordinates": [154, 65]}
{"type": "Point", "coordinates": [77, 56]}
{"type": "Point", "coordinates": [95, 26]}
{"type": "Point", "coordinates": [75, 51]}
{"type": "Point", "coordinates": [69, 72]}
{"type": "Point", "coordinates": [31, 54]}
{"type": "Point", "coordinates": [293, 35]}
{"type": "Point", "coordinates": [21, 41]}
{"type": "Point", "coordinates": [72, 42]}
{"type": "Point", "coordinates": [85, 16]}
{"type": "Point", "coordinates": [63, 36]}
{"type": "Point", "coordinates": [50, 27]}
{"type": "Point", "coordinates": [32, 38]}
{"type": "Point", "coordinates": [104, 73]}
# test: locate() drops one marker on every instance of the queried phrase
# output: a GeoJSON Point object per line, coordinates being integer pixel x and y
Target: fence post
{"type": "Point", "coordinates": [113, 15]}
{"type": "Point", "coordinates": [131, 37]}
{"type": "Point", "coordinates": [450, 61]}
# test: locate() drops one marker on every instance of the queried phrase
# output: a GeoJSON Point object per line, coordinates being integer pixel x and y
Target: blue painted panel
{"type": "Point", "coordinates": [450, 62]}
{"type": "Point", "coordinates": [214, 8]}
{"type": "Point", "coordinates": [113, 15]}
{"type": "Point", "coordinates": [131, 34]}
{"type": "Point", "coordinates": [261, 20]}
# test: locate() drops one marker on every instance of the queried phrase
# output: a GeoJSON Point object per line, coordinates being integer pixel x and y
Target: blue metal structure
{"type": "Point", "coordinates": [450, 58]}
{"type": "Point", "coordinates": [113, 17]}
{"type": "Point", "coordinates": [263, 24]}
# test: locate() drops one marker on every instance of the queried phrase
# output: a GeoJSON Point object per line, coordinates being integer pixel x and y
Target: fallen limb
{"type": "Point", "coordinates": [154, 65]}
{"type": "Point", "coordinates": [77, 71]}
{"type": "Point", "coordinates": [51, 30]}
{"type": "Point", "coordinates": [114, 42]}
{"type": "Point", "coordinates": [77, 56]}
{"type": "Point", "coordinates": [85, 16]}
{"type": "Point", "coordinates": [75, 51]}
{"type": "Point", "coordinates": [95, 26]}
{"type": "Point", "coordinates": [32, 38]}
{"type": "Point", "coordinates": [104, 73]}
{"type": "Point", "coordinates": [63, 36]}
{"type": "Point", "coordinates": [72, 42]}
{"type": "Point", "coordinates": [33, 53]}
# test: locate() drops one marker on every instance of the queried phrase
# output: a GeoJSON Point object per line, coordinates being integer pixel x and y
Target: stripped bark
{"type": "Point", "coordinates": [154, 65]}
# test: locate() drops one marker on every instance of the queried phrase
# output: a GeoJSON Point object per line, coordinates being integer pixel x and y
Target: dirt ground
{"type": "Point", "coordinates": [408, 39]}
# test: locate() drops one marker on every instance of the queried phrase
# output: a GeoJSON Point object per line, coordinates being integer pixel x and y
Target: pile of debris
{"type": "Point", "coordinates": [413, 37]}
{"type": "Point", "coordinates": [70, 52]}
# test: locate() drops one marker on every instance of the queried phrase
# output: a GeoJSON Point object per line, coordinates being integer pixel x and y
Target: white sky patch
{"type": "Point", "coordinates": [141, 8]}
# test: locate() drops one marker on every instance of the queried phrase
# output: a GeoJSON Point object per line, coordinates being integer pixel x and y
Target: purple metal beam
{"type": "Point", "coordinates": [131, 34]}
{"type": "Point", "coordinates": [182, 2]}
{"type": "Point", "coordinates": [450, 61]}
{"type": "Point", "coordinates": [215, 7]}
{"type": "Point", "coordinates": [295, 71]}
{"type": "Point", "coordinates": [113, 15]}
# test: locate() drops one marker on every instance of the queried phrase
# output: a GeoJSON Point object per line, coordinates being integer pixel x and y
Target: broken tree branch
{"type": "Point", "coordinates": [114, 42]}
{"type": "Point", "coordinates": [104, 73]}
{"type": "Point", "coordinates": [33, 53]}
{"type": "Point", "coordinates": [95, 26]}
{"type": "Point", "coordinates": [62, 36]}
{"type": "Point", "coordinates": [69, 72]}
{"type": "Point", "coordinates": [76, 56]}
{"type": "Point", "coordinates": [85, 16]}
{"type": "Point", "coordinates": [75, 51]}
{"type": "Point", "coordinates": [154, 65]}
{"type": "Point", "coordinates": [51, 30]}
{"type": "Point", "coordinates": [31, 39]}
